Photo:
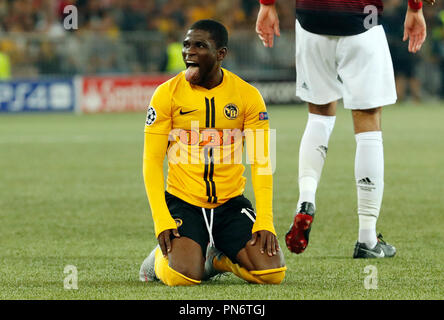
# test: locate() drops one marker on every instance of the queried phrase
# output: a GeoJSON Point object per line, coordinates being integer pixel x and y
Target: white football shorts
{"type": "Point", "coordinates": [356, 68]}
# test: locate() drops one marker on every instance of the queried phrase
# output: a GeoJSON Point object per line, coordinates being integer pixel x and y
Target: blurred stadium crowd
{"type": "Point", "coordinates": [140, 36]}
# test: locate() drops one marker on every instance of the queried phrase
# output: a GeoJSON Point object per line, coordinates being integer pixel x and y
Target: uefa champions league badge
{"type": "Point", "coordinates": [263, 116]}
{"type": "Point", "coordinates": [151, 116]}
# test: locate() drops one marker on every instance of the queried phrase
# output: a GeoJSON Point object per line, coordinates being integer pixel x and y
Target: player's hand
{"type": "Point", "coordinates": [165, 241]}
{"type": "Point", "coordinates": [267, 242]}
{"type": "Point", "coordinates": [267, 24]}
{"type": "Point", "coordinates": [414, 29]}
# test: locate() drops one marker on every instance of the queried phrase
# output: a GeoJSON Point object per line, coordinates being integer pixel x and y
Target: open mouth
{"type": "Point", "coordinates": [191, 64]}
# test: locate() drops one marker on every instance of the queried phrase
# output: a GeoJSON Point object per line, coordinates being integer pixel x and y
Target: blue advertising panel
{"type": "Point", "coordinates": [37, 95]}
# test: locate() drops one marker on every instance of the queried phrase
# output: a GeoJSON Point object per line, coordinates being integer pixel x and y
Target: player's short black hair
{"type": "Point", "coordinates": [216, 29]}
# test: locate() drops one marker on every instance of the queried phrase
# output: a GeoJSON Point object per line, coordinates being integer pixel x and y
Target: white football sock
{"type": "Point", "coordinates": [369, 175]}
{"type": "Point", "coordinates": [312, 154]}
{"type": "Point", "coordinates": [367, 231]}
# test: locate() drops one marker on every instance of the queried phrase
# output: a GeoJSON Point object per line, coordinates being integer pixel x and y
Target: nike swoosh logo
{"type": "Point", "coordinates": [377, 255]}
{"type": "Point", "coordinates": [182, 112]}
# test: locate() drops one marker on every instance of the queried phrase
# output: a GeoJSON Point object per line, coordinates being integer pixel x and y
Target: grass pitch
{"type": "Point", "coordinates": [72, 194]}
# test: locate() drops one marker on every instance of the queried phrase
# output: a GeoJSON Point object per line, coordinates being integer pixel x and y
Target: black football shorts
{"type": "Point", "coordinates": [230, 229]}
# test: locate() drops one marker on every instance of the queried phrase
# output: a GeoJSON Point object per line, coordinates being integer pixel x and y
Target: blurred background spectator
{"type": "Point", "coordinates": [437, 54]}
{"type": "Point", "coordinates": [5, 66]}
{"type": "Point", "coordinates": [139, 36]}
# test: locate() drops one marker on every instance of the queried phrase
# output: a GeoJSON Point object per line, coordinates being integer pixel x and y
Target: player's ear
{"type": "Point", "coordinates": [222, 53]}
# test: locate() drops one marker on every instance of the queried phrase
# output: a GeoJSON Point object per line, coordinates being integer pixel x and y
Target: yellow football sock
{"type": "Point", "coordinates": [269, 276]}
{"type": "Point", "coordinates": [168, 275]}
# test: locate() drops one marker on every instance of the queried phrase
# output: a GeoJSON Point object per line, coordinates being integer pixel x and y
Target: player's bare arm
{"type": "Point", "coordinates": [267, 24]}
{"type": "Point", "coordinates": [415, 29]}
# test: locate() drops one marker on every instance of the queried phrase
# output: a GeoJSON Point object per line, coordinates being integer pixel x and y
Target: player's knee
{"type": "Point", "coordinates": [175, 278]}
{"type": "Point", "coordinates": [186, 260]}
{"type": "Point", "coordinates": [270, 276]}
{"type": "Point", "coordinates": [170, 275]}
{"type": "Point", "coordinates": [188, 271]}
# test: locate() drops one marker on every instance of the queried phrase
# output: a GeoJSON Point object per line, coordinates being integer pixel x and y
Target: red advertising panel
{"type": "Point", "coordinates": [118, 94]}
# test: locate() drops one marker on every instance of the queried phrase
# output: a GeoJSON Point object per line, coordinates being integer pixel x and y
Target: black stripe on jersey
{"type": "Point", "coordinates": [213, 114]}
{"type": "Point", "coordinates": [210, 113]}
{"type": "Point", "coordinates": [210, 116]}
{"type": "Point", "coordinates": [207, 113]}
{"type": "Point", "coordinates": [213, 185]}
{"type": "Point", "coordinates": [207, 183]}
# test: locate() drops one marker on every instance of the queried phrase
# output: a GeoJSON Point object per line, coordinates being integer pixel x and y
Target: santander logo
{"type": "Point", "coordinates": [118, 94]}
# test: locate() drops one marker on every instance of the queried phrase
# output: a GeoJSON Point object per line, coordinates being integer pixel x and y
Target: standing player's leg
{"type": "Point", "coordinates": [312, 155]}
{"type": "Point", "coordinates": [369, 175]}
{"type": "Point", "coordinates": [313, 149]}
{"type": "Point", "coordinates": [318, 84]}
{"type": "Point", "coordinates": [369, 171]}
{"type": "Point", "coordinates": [365, 66]}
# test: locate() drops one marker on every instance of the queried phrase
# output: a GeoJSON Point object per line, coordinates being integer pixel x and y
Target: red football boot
{"type": "Point", "coordinates": [296, 238]}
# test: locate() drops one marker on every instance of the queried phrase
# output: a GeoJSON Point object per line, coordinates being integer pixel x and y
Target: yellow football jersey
{"type": "Point", "coordinates": [206, 131]}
